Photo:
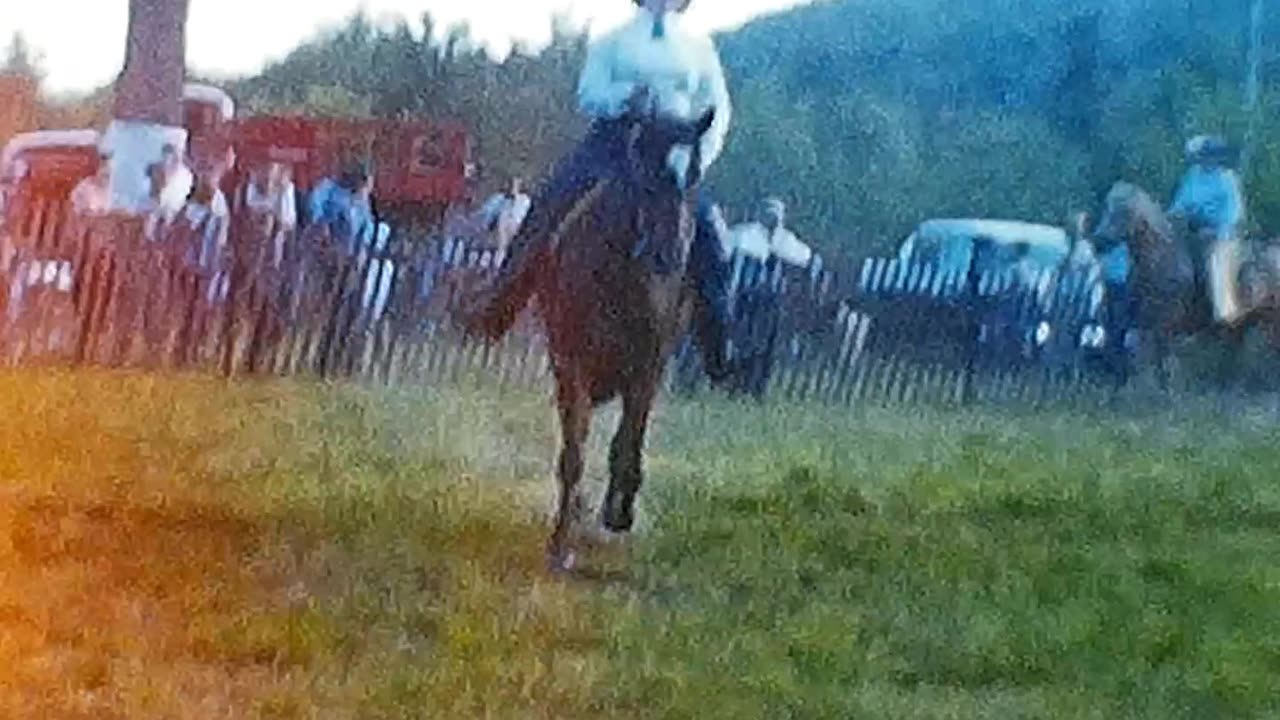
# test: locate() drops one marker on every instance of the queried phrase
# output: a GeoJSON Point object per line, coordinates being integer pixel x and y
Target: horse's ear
{"type": "Point", "coordinates": [689, 133]}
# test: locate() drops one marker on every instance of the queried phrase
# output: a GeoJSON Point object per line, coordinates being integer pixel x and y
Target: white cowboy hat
{"type": "Point", "coordinates": [1208, 148]}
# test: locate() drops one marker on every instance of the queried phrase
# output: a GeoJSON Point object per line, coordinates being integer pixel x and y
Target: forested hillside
{"type": "Point", "coordinates": [866, 115]}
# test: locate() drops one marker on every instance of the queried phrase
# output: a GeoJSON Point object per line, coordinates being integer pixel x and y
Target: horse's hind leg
{"type": "Point", "coordinates": [626, 469]}
{"type": "Point", "coordinates": [575, 422]}
{"type": "Point", "coordinates": [1231, 362]}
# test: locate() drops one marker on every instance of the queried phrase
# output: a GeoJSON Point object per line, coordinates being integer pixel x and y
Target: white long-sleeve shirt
{"type": "Point", "coordinates": [755, 240]}
{"type": "Point", "coordinates": [505, 213]}
{"type": "Point", "coordinates": [682, 69]}
{"type": "Point", "coordinates": [177, 188]}
{"type": "Point", "coordinates": [215, 217]}
{"type": "Point", "coordinates": [278, 201]}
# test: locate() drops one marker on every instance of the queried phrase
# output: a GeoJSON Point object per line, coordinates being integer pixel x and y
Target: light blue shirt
{"type": "Point", "coordinates": [1114, 264]}
{"type": "Point", "coordinates": [350, 222]}
{"type": "Point", "coordinates": [1211, 197]}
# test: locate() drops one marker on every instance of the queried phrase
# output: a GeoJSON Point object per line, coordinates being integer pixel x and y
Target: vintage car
{"type": "Point", "coordinates": [1031, 295]}
{"type": "Point", "coordinates": [38, 171]}
{"type": "Point", "coordinates": [951, 245]}
{"type": "Point", "coordinates": [54, 158]}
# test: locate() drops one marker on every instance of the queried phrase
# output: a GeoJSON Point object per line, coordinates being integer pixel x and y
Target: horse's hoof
{"type": "Point", "coordinates": [597, 536]}
{"type": "Point", "coordinates": [618, 520]}
{"type": "Point", "coordinates": [562, 562]}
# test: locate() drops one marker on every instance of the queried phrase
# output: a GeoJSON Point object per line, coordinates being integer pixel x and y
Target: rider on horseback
{"type": "Point", "coordinates": [650, 64]}
{"type": "Point", "coordinates": [1211, 201]}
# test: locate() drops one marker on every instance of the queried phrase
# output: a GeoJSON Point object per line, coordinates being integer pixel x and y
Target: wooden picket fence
{"type": "Point", "coordinates": [912, 334]}
{"type": "Point", "coordinates": [99, 292]}
{"type": "Point", "coordinates": [902, 332]}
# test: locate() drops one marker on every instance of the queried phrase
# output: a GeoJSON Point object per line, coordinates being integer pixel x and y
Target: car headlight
{"type": "Point", "coordinates": [1093, 336]}
{"type": "Point", "coordinates": [1043, 331]}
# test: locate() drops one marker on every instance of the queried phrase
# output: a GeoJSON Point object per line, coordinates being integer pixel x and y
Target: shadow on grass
{"type": "Point", "coordinates": [364, 588]}
{"type": "Point", "coordinates": [95, 589]}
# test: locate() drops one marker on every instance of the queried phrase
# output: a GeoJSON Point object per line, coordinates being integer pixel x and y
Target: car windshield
{"type": "Point", "coordinates": [953, 252]}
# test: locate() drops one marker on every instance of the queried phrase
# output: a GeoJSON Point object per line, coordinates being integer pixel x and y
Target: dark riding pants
{"type": "Point", "coordinates": [1119, 314]}
{"type": "Point", "coordinates": [600, 156]}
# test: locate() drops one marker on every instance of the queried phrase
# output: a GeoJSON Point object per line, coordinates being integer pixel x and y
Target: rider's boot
{"type": "Point", "coordinates": [713, 338]}
{"type": "Point", "coordinates": [711, 277]}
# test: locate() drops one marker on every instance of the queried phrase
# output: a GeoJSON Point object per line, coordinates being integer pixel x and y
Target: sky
{"type": "Point", "coordinates": [81, 42]}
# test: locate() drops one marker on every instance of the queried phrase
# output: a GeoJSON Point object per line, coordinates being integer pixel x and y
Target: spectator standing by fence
{"type": "Point", "coordinates": [343, 207]}
{"type": "Point", "coordinates": [759, 249]}
{"type": "Point", "coordinates": [265, 267]}
{"type": "Point", "coordinates": [171, 182]}
{"type": "Point", "coordinates": [1118, 304]}
{"type": "Point", "coordinates": [206, 217]}
{"type": "Point", "coordinates": [270, 192]}
{"type": "Point", "coordinates": [503, 213]}
{"type": "Point", "coordinates": [92, 195]}
{"type": "Point", "coordinates": [177, 182]}
{"type": "Point", "coordinates": [769, 236]}
{"type": "Point", "coordinates": [341, 230]}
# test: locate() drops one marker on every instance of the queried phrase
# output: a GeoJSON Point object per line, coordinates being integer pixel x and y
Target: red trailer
{"type": "Point", "coordinates": [420, 168]}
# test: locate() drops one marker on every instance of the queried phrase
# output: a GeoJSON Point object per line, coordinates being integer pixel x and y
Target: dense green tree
{"type": "Point", "coordinates": [867, 116]}
{"type": "Point", "coordinates": [20, 59]}
{"type": "Point", "coordinates": [20, 78]}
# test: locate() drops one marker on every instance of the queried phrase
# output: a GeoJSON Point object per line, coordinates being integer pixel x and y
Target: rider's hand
{"type": "Point", "coordinates": [638, 102]}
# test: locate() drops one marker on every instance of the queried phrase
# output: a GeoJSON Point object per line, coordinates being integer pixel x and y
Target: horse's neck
{"type": "Point", "coordinates": [1160, 261]}
{"type": "Point", "coordinates": [603, 231]}
{"type": "Point", "coordinates": [599, 226]}
{"type": "Point", "coordinates": [1157, 244]}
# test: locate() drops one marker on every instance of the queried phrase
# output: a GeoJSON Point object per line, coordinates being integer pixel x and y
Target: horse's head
{"type": "Point", "coordinates": [1163, 271]}
{"type": "Point", "coordinates": [1130, 215]}
{"type": "Point", "coordinates": [663, 169]}
{"type": "Point", "coordinates": [654, 141]}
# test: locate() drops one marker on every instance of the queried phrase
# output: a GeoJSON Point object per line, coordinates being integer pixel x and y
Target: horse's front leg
{"type": "Point", "coordinates": [626, 455]}
{"type": "Point", "coordinates": [1232, 339]}
{"type": "Point", "coordinates": [575, 422]}
{"type": "Point", "coordinates": [1161, 354]}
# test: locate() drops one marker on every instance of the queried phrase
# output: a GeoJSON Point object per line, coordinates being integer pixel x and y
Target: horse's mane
{"type": "Point", "coordinates": [584, 204]}
{"type": "Point", "coordinates": [608, 205]}
{"type": "Point", "coordinates": [1133, 201]}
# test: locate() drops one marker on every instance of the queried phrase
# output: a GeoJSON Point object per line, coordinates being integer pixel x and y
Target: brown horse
{"type": "Point", "coordinates": [1172, 299]}
{"type": "Point", "coordinates": [612, 318]}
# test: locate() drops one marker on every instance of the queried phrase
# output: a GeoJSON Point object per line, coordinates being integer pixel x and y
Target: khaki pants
{"type": "Point", "coordinates": [1223, 257]}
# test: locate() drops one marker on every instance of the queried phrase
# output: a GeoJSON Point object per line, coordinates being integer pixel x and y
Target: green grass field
{"type": "Point", "coordinates": [185, 548]}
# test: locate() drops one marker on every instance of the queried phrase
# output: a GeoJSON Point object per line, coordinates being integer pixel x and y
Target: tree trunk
{"type": "Point", "coordinates": [1252, 84]}
{"type": "Point", "coordinates": [147, 112]}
